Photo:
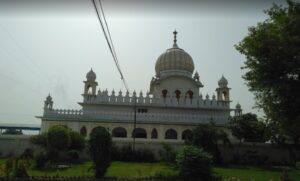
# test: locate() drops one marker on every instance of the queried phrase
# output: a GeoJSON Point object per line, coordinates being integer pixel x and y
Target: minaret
{"type": "Point", "coordinates": [48, 103]}
{"type": "Point", "coordinates": [238, 110]}
{"type": "Point", "coordinates": [90, 84]}
{"type": "Point", "coordinates": [223, 90]}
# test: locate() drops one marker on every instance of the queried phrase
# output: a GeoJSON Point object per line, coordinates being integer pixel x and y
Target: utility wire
{"type": "Point", "coordinates": [109, 40]}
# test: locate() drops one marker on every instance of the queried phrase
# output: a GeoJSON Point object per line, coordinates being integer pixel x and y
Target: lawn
{"type": "Point", "coordinates": [138, 170]}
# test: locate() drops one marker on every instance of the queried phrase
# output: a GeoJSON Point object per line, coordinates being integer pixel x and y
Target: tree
{"type": "Point", "coordinates": [272, 50]}
{"type": "Point", "coordinates": [248, 127]}
{"type": "Point", "coordinates": [207, 137]}
{"type": "Point", "coordinates": [60, 144]}
{"type": "Point", "coordinates": [100, 144]}
{"type": "Point", "coordinates": [194, 164]}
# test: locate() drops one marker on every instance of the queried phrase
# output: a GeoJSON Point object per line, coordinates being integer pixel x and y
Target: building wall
{"type": "Point", "coordinates": [14, 144]}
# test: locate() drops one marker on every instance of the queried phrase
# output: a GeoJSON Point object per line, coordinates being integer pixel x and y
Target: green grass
{"type": "Point", "coordinates": [258, 174]}
{"type": "Point", "coordinates": [138, 170]}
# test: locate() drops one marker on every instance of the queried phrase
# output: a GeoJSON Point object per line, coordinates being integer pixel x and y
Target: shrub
{"type": "Point", "coordinates": [77, 141]}
{"type": "Point", "coordinates": [298, 164]}
{"type": "Point", "coordinates": [20, 169]}
{"type": "Point", "coordinates": [100, 150]}
{"type": "Point", "coordinates": [126, 153]}
{"type": "Point", "coordinates": [167, 154]}
{"type": "Point", "coordinates": [58, 137]}
{"type": "Point", "coordinates": [194, 164]}
{"type": "Point", "coordinates": [41, 159]}
{"type": "Point", "coordinates": [27, 154]}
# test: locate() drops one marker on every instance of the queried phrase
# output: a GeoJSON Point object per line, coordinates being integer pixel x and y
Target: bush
{"type": "Point", "coordinates": [77, 141]}
{"type": "Point", "coordinates": [100, 143]}
{"type": "Point", "coordinates": [58, 137]}
{"type": "Point", "coordinates": [126, 153]}
{"type": "Point", "coordinates": [40, 160]}
{"type": "Point", "coordinates": [20, 169]}
{"type": "Point", "coordinates": [27, 154]}
{"type": "Point", "coordinates": [168, 154]}
{"type": "Point", "coordinates": [73, 156]}
{"type": "Point", "coordinates": [194, 164]}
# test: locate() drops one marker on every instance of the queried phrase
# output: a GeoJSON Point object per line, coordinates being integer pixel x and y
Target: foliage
{"type": "Point", "coordinates": [58, 137]}
{"type": "Point", "coordinates": [100, 143]}
{"type": "Point", "coordinates": [41, 159]}
{"type": "Point", "coordinates": [167, 154]}
{"type": "Point", "coordinates": [273, 67]}
{"type": "Point", "coordinates": [40, 140]}
{"type": "Point", "coordinates": [20, 170]}
{"type": "Point", "coordinates": [194, 164]}
{"type": "Point", "coordinates": [126, 153]}
{"type": "Point", "coordinates": [247, 127]}
{"type": "Point", "coordinates": [27, 154]}
{"type": "Point", "coordinates": [77, 141]}
{"type": "Point", "coordinates": [60, 145]}
{"type": "Point", "coordinates": [207, 137]}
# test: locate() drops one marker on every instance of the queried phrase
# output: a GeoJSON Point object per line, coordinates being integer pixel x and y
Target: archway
{"type": "Point", "coordinates": [119, 132]}
{"type": "Point", "coordinates": [139, 133]}
{"type": "Point", "coordinates": [171, 134]}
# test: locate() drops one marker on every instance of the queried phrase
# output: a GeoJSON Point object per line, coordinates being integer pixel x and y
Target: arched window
{"type": "Point", "coordinates": [139, 133]}
{"type": "Point", "coordinates": [164, 93]}
{"type": "Point", "coordinates": [187, 135]}
{"type": "Point", "coordinates": [119, 132]}
{"type": "Point", "coordinates": [224, 95]}
{"type": "Point", "coordinates": [171, 134]}
{"type": "Point", "coordinates": [154, 134]}
{"type": "Point", "coordinates": [83, 131]}
{"type": "Point", "coordinates": [189, 94]}
{"type": "Point", "coordinates": [89, 89]}
{"type": "Point", "coordinates": [177, 94]}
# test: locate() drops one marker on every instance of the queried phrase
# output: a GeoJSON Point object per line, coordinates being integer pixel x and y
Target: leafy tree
{"type": "Point", "coordinates": [194, 164]}
{"type": "Point", "coordinates": [248, 127]}
{"type": "Point", "coordinates": [272, 50]}
{"type": "Point", "coordinates": [60, 144]}
{"type": "Point", "coordinates": [207, 137]}
{"type": "Point", "coordinates": [77, 141]}
{"type": "Point", "coordinates": [100, 144]}
{"type": "Point", "coordinates": [58, 137]}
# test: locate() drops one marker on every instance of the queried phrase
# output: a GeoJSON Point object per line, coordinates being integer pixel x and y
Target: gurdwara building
{"type": "Point", "coordinates": [167, 113]}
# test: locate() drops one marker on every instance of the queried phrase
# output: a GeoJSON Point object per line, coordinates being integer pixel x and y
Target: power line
{"type": "Point", "coordinates": [109, 40]}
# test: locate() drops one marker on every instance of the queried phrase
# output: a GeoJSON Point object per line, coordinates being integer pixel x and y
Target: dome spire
{"type": "Point", "coordinates": [175, 39]}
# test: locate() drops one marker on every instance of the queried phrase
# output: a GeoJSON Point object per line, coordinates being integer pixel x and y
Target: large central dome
{"type": "Point", "coordinates": [174, 59]}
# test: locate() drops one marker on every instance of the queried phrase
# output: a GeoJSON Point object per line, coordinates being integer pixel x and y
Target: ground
{"type": "Point", "coordinates": [138, 170]}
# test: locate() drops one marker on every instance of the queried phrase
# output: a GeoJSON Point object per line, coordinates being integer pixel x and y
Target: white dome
{"type": "Point", "coordinates": [174, 59]}
{"type": "Point", "coordinates": [91, 76]}
{"type": "Point", "coordinates": [223, 82]}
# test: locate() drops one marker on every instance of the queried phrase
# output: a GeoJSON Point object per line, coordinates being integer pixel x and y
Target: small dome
{"type": "Point", "coordinates": [91, 76]}
{"type": "Point", "coordinates": [223, 82]}
{"type": "Point", "coordinates": [174, 59]}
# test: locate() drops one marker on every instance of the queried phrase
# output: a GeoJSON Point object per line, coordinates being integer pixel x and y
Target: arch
{"type": "Point", "coordinates": [189, 94]}
{"type": "Point", "coordinates": [154, 133]}
{"type": "Point", "coordinates": [171, 134]}
{"type": "Point", "coordinates": [224, 95]}
{"type": "Point", "coordinates": [139, 133]}
{"type": "Point", "coordinates": [187, 135]}
{"type": "Point", "coordinates": [83, 131]}
{"type": "Point", "coordinates": [119, 132]}
{"type": "Point", "coordinates": [164, 93]}
{"type": "Point", "coordinates": [177, 94]}
{"type": "Point", "coordinates": [89, 89]}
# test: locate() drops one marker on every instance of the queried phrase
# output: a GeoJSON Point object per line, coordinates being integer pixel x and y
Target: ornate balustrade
{"type": "Point", "coordinates": [196, 102]}
{"type": "Point", "coordinates": [129, 116]}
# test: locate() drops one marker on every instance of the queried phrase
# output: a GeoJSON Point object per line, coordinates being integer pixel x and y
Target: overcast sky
{"type": "Point", "coordinates": [49, 46]}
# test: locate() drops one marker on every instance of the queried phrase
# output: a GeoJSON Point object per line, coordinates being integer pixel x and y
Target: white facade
{"type": "Point", "coordinates": [167, 113]}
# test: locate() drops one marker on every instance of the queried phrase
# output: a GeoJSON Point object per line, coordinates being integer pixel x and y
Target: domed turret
{"type": "Point", "coordinates": [223, 82]}
{"type": "Point", "coordinates": [91, 76]}
{"type": "Point", "coordinates": [174, 59]}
